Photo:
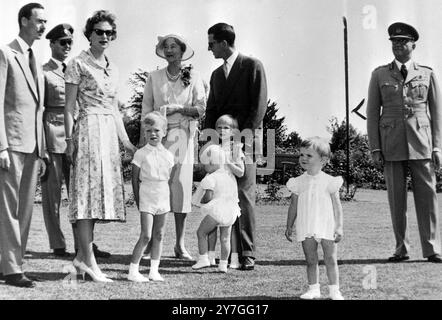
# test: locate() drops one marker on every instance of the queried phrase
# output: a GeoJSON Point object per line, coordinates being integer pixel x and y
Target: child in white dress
{"type": "Point", "coordinates": [217, 196]}
{"type": "Point", "coordinates": [151, 168]}
{"type": "Point", "coordinates": [226, 127]}
{"type": "Point", "coordinates": [317, 210]}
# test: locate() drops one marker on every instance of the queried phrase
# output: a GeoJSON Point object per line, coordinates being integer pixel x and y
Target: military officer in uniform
{"type": "Point", "coordinates": [404, 123]}
{"type": "Point", "coordinates": [61, 39]}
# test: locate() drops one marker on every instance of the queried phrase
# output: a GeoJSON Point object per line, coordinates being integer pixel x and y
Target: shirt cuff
{"type": "Point", "coordinates": [437, 150]}
{"type": "Point", "coordinates": [376, 150]}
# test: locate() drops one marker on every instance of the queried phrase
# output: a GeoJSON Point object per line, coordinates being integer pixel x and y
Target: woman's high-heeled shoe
{"type": "Point", "coordinates": [95, 277]}
{"type": "Point", "coordinates": [182, 254]}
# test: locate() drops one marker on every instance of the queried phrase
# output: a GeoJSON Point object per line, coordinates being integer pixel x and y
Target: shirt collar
{"type": "Point", "coordinates": [231, 60]}
{"type": "Point", "coordinates": [23, 45]}
{"type": "Point", "coordinates": [159, 147]}
{"type": "Point", "coordinates": [58, 62]}
{"type": "Point", "coordinates": [407, 64]}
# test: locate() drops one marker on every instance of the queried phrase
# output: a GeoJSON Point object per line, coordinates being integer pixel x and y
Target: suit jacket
{"type": "Point", "coordinates": [243, 94]}
{"type": "Point", "coordinates": [409, 124]}
{"type": "Point", "coordinates": [21, 103]}
{"type": "Point", "coordinates": [53, 117]}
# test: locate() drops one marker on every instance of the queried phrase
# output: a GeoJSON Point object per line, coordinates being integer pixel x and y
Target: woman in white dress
{"type": "Point", "coordinates": [179, 93]}
{"type": "Point", "coordinates": [96, 185]}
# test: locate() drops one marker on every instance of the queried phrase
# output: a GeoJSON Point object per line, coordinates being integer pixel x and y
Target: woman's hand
{"type": "Point", "coordinates": [129, 147]}
{"type": "Point", "coordinates": [173, 108]}
{"type": "Point", "coordinates": [5, 161]}
{"type": "Point", "coordinates": [338, 234]}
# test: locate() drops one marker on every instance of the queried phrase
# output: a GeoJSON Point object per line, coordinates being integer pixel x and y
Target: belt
{"type": "Point", "coordinates": [54, 109]}
{"type": "Point", "coordinates": [405, 110]}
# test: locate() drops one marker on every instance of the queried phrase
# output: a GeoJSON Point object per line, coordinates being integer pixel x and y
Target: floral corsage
{"type": "Point", "coordinates": [185, 75]}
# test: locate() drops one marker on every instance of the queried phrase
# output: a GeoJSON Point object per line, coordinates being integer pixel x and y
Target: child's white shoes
{"type": "Point", "coordinates": [313, 292]}
{"type": "Point", "coordinates": [203, 262]}
{"type": "Point", "coordinates": [222, 267]}
{"type": "Point", "coordinates": [137, 277]}
{"type": "Point", "coordinates": [155, 276]}
{"type": "Point", "coordinates": [334, 293]}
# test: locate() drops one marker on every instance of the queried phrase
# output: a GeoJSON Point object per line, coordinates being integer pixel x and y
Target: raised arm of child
{"type": "Point", "coordinates": [208, 196]}
{"type": "Point", "coordinates": [136, 183]}
{"type": "Point", "coordinates": [237, 168]}
{"type": "Point", "coordinates": [291, 217]}
{"type": "Point", "coordinates": [339, 216]}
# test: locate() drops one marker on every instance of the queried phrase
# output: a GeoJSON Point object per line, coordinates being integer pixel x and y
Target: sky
{"type": "Point", "coordinates": [300, 43]}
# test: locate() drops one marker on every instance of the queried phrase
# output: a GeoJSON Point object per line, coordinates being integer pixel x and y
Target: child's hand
{"type": "Point", "coordinates": [338, 235]}
{"type": "Point", "coordinates": [288, 234]}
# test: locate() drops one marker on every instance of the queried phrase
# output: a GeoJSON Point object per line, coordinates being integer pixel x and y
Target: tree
{"type": "Point", "coordinates": [271, 121]}
{"type": "Point", "coordinates": [292, 142]}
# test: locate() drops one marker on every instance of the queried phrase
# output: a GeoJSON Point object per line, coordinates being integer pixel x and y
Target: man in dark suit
{"type": "Point", "coordinates": [404, 126]}
{"type": "Point", "coordinates": [22, 144]}
{"type": "Point", "coordinates": [239, 88]}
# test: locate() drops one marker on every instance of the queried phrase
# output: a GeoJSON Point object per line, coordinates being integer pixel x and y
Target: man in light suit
{"type": "Point", "coordinates": [239, 88]}
{"type": "Point", "coordinates": [404, 125]}
{"type": "Point", "coordinates": [22, 143]}
{"type": "Point", "coordinates": [60, 37]}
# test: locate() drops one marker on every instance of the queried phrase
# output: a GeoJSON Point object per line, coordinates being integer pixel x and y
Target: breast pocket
{"type": "Point", "coordinates": [390, 91]}
{"type": "Point", "coordinates": [419, 90]}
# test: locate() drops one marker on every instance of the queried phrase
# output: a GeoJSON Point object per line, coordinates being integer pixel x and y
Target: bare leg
{"type": "Point", "coordinates": [331, 262]}
{"type": "Point", "coordinates": [180, 225]}
{"type": "Point", "coordinates": [225, 241]}
{"type": "Point", "coordinates": [159, 222]}
{"type": "Point", "coordinates": [310, 247]}
{"type": "Point", "coordinates": [206, 226]}
{"type": "Point", "coordinates": [146, 221]}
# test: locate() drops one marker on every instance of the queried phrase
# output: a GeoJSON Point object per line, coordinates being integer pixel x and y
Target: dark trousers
{"type": "Point", "coordinates": [245, 224]}
{"type": "Point", "coordinates": [425, 199]}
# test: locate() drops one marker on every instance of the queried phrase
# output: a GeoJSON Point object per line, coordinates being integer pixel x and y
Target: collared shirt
{"type": "Point", "coordinates": [58, 62]}
{"type": "Point", "coordinates": [407, 64]}
{"type": "Point", "coordinates": [155, 163]}
{"type": "Point", "coordinates": [230, 61]}
{"type": "Point", "coordinates": [24, 47]}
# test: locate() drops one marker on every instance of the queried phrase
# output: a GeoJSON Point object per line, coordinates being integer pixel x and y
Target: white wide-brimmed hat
{"type": "Point", "coordinates": [160, 49]}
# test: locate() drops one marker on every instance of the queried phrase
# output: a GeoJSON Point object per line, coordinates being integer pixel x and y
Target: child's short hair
{"type": "Point", "coordinates": [228, 118]}
{"type": "Point", "coordinates": [213, 154]}
{"type": "Point", "coordinates": [155, 117]}
{"type": "Point", "coordinates": [320, 145]}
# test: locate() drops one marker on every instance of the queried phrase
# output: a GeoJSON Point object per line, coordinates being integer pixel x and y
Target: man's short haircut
{"type": "Point", "coordinates": [320, 145]}
{"type": "Point", "coordinates": [155, 117]}
{"type": "Point", "coordinates": [26, 11]}
{"type": "Point", "coordinates": [223, 31]}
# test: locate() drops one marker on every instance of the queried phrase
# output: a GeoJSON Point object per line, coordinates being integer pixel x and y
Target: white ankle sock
{"type": "Point", "coordinates": [134, 268]}
{"type": "Point", "coordinates": [211, 256]}
{"type": "Point", "coordinates": [222, 266]}
{"type": "Point", "coordinates": [234, 258]}
{"type": "Point", "coordinates": [154, 264]}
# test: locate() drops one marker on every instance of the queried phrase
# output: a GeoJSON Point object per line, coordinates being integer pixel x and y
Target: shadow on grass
{"type": "Point", "coordinates": [340, 262]}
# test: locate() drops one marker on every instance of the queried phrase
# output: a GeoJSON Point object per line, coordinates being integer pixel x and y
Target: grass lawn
{"type": "Point", "coordinates": [279, 272]}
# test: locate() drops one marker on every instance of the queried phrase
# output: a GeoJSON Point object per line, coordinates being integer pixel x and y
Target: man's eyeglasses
{"type": "Point", "coordinates": [100, 32]}
{"type": "Point", "coordinates": [64, 42]}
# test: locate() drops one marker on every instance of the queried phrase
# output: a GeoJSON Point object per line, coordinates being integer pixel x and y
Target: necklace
{"type": "Point", "coordinates": [173, 78]}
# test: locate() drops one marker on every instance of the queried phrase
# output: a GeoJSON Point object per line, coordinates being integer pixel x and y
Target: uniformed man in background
{"type": "Point", "coordinates": [404, 123]}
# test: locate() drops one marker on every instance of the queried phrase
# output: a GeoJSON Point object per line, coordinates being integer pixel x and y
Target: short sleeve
{"type": "Point", "coordinates": [334, 184]}
{"type": "Point", "coordinates": [293, 185]}
{"type": "Point", "coordinates": [208, 183]}
{"type": "Point", "coordinates": [138, 158]}
{"type": "Point", "coordinates": [73, 74]}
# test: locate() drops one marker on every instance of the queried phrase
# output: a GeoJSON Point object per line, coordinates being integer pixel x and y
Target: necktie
{"type": "Point", "coordinates": [32, 64]}
{"type": "Point", "coordinates": [64, 67]}
{"type": "Point", "coordinates": [226, 72]}
{"type": "Point", "coordinates": [404, 71]}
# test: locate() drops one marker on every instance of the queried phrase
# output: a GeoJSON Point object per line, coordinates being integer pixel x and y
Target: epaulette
{"type": "Point", "coordinates": [384, 66]}
{"type": "Point", "coordinates": [424, 66]}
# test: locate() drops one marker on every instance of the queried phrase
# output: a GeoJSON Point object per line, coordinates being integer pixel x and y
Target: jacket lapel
{"type": "Point", "coordinates": [233, 77]}
{"type": "Point", "coordinates": [412, 73]}
{"type": "Point", "coordinates": [56, 69]}
{"type": "Point", "coordinates": [395, 72]}
{"type": "Point", "coordinates": [19, 56]}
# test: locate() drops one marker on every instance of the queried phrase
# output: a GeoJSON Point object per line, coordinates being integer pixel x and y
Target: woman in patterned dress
{"type": "Point", "coordinates": [96, 185]}
{"type": "Point", "coordinates": [179, 93]}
